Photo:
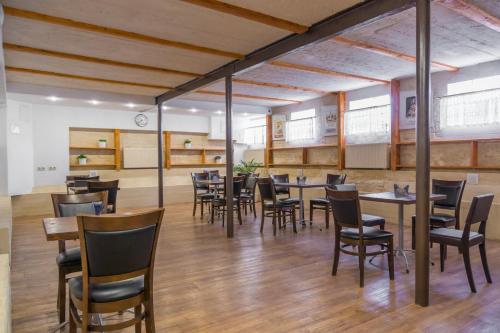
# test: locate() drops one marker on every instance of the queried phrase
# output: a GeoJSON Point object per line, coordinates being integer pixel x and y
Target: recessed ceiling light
{"type": "Point", "coordinates": [164, 107]}
{"type": "Point", "coordinates": [193, 110]}
{"type": "Point", "coordinates": [245, 114]}
{"type": "Point", "coordinates": [130, 105]}
{"type": "Point", "coordinates": [218, 112]}
{"type": "Point", "coordinates": [54, 98]}
{"type": "Point", "coordinates": [94, 102]}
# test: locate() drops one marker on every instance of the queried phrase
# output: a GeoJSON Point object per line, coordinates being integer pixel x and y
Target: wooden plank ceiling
{"type": "Point", "coordinates": [115, 47]}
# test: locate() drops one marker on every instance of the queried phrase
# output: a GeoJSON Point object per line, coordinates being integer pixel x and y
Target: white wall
{"type": "Point", "coordinates": [3, 118]}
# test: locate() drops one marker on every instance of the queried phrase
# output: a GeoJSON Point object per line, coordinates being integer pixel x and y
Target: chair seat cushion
{"type": "Point", "coordinates": [368, 233]}
{"type": "Point", "coordinates": [205, 195]}
{"type": "Point", "coordinates": [279, 204]}
{"type": "Point", "coordinates": [453, 235]}
{"type": "Point", "coordinates": [108, 292]}
{"type": "Point", "coordinates": [372, 220]}
{"type": "Point", "coordinates": [442, 219]}
{"type": "Point", "coordinates": [320, 201]}
{"type": "Point", "coordinates": [246, 195]}
{"type": "Point", "coordinates": [290, 201]}
{"type": "Point", "coordinates": [70, 257]}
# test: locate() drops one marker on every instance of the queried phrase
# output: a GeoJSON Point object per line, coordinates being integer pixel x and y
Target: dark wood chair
{"type": "Point", "coordinates": [80, 184]}
{"type": "Point", "coordinates": [68, 260]}
{"type": "Point", "coordinates": [279, 210]}
{"type": "Point", "coordinates": [323, 203]}
{"type": "Point", "coordinates": [219, 202]}
{"type": "Point", "coordinates": [349, 230]}
{"type": "Point", "coordinates": [465, 239]}
{"type": "Point", "coordinates": [247, 196]}
{"type": "Point", "coordinates": [70, 181]}
{"type": "Point", "coordinates": [453, 189]}
{"type": "Point", "coordinates": [118, 254]}
{"type": "Point", "coordinates": [283, 192]}
{"type": "Point", "coordinates": [111, 187]}
{"type": "Point", "coordinates": [201, 192]}
{"type": "Point", "coordinates": [368, 219]}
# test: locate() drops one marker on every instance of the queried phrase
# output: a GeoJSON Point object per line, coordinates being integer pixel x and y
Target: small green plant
{"type": "Point", "coordinates": [103, 140]}
{"type": "Point", "coordinates": [247, 167]}
{"type": "Point", "coordinates": [188, 141]}
{"type": "Point", "coordinates": [81, 156]}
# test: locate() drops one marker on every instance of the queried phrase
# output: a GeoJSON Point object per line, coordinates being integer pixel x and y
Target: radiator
{"type": "Point", "coordinates": [367, 156]}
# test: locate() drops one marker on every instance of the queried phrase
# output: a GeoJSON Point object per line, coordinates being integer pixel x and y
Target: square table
{"type": "Point", "coordinates": [401, 201]}
{"type": "Point", "coordinates": [301, 187]}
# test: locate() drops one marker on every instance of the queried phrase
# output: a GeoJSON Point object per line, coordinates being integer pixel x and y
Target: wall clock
{"type": "Point", "coordinates": [141, 120]}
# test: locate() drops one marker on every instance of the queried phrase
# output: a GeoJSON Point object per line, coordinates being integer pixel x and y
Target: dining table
{"type": "Point", "coordinates": [400, 201]}
{"type": "Point", "coordinates": [301, 186]}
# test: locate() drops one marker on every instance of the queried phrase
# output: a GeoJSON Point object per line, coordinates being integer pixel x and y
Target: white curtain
{"type": "Point", "coordinates": [477, 112]}
{"type": "Point", "coordinates": [369, 125]}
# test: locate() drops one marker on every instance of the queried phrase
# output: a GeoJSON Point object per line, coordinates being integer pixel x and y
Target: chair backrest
{"type": "Point", "coordinates": [284, 178]}
{"type": "Point", "coordinates": [76, 204]}
{"type": "Point", "coordinates": [345, 187]}
{"type": "Point", "coordinates": [197, 176]}
{"type": "Point", "coordinates": [266, 189]}
{"type": "Point", "coordinates": [82, 181]}
{"type": "Point", "coordinates": [118, 247]}
{"type": "Point", "coordinates": [453, 189]}
{"type": "Point", "coordinates": [110, 186]}
{"type": "Point", "coordinates": [478, 213]}
{"type": "Point", "coordinates": [251, 183]}
{"type": "Point", "coordinates": [332, 179]}
{"type": "Point", "coordinates": [213, 174]}
{"type": "Point", "coordinates": [346, 209]}
{"type": "Point", "coordinates": [237, 185]}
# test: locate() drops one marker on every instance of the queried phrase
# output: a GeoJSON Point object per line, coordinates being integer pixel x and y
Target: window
{"type": "Point", "coordinates": [368, 120]}
{"type": "Point", "coordinates": [255, 132]}
{"type": "Point", "coordinates": [302, 125]}
{"type": "Point", "coordinates": [471, 107]}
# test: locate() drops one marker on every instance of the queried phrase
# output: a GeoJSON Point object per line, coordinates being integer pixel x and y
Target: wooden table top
{"type": "Point", "coordinates": [296, 185]}
{"type": "Point", "coordinates": [390, 197]}
{"type": "Point", "coordinates": [210, 182]}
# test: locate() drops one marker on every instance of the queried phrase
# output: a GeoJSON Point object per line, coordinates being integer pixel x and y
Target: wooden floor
{"type": "Point", "coordinates": [260, 283]}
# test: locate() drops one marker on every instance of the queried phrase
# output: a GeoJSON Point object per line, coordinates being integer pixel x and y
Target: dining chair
{"type": "Point", "coordinates": [219, 202]}
{"type": "Point", "coordinates": [68, 260]}
{"type": "Point", "coordinates": [80, 183]}
{"type": "Point", "coordinates": [454, 190]}
{"type": "Point", "coordinates": [118, 254]}
{"type": "Point", "coordinates": [272, 207]}
{"type": "Point", "coordinates": [201, 192]}
{"type": "Point", "coordinates": [70, 181]}
{"type": "Point", "coordinates": [465, 239]}
{"type": "Point", "coordinates": [111, 187]}
{"type": "Point", "coordinates": [323, 203]}
{"type": "Point", "coordinates": [284, 190]}
{"type": "Point", "coordinates": [368, 219]}
{"type": "Point", "coordinates": [247, 196]}
{"type": "Point", "coordinates": [349, 230]}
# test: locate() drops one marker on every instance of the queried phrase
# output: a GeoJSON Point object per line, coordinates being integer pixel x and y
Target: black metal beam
{"type": "Point", "coordinates": [229, 157]}
{"type": "Point", "coordinates": [350, 19]}
{"type": "Point", "coordinates": [423, 153]}
{"type": "Point", "coordinates": [159, 136]}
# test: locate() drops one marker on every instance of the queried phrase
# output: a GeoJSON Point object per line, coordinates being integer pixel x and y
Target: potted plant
{"type": "Point", "coordinates": [218, 159]}
{"type": "Point", "coordinates": [247, 167]}
{"type": "Point", "coordinates": [102, 143]}
{"type": "Point", "coordinates": [188, 143]}
{"type": "Point", "coordinates": [82, 159]}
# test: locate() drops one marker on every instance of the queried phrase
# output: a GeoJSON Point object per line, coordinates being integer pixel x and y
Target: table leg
{"type": "Point", "coordinates": [400, 250]}
{"type": "Point", "coordinates": [301, 198]}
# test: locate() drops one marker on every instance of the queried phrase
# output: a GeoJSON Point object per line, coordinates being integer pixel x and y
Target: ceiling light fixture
{"type": "Point", "coordinates": [130, 105]}
{"type": "Point", "coordinates": [94, 102]}
{"type": "Point", "coordinates": [164, 107]}
{"type": "Point", "coordinates": [218, 112]}
{"type": "Point", "coordinates": [53, 98]}
{"type": "Point", "coordinates": [193, 110]}
{"type": "Point", "coordinates": [245, 114]}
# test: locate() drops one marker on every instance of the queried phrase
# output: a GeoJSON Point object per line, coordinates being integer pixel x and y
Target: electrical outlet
{"type": "Point", "coordinates": [40, 169]}
{"type": "Point", "coordinates": [52, 168]}
{"type": "Point", "coordinates": [472, 179]}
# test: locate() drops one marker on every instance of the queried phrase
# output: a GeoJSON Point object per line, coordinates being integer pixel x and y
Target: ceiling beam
{"type": "Point", "coordinates": [472, 12]}
{"type": "Point", "coordinates": [318, 70]}
{"type": "Point", "coordinates": [279, 86]}
{"type": "Point", "coordinates": [250, 15]}
{"type": "Point", "coordinates": [80, 77]}
{"type": "Point", "coordinates": [358, 16]}
{"type": "Point", "coordinates": [70, 56]}
{"type": "Point", "coordinates": [221, 93]}
{"type": "Point", "coordinates": [387, 52]}
{"type": "Point", "coordinates": [116, 32]}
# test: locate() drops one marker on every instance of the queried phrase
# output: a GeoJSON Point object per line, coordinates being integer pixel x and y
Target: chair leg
{"type": "Point", "coordinates": [327, 217]}
{"type": "Point", "coordinates": [72, 323]}
{"type": "Point", "coordinates": [246, 206]}
{"type": "Point", "coordinates": [137, 312]}
{"type": "Point", "coordinates": [336, 254]}
{"type": "Point", "coordinates": [413, 234]}
{"type": "Point", "coordinates": [468, 269]}
{"type": "Point", "coordinates": [361, 260]}
{"type": "Point", "coordinates": [150, 316]}
{"type": "Point", "coordinates": [194, 207]}
{"type": "Point", "coordinates": [484, 260]}
{"type": "Point", "coordinates": [212, 214]}
{"type": "Point", "coordinates": [294, 221]}
{"type": "Point", "coordinates": [262, 216]}
{"type": "Point", "coordinates": [254, 209]}
{"type": "Point", "coordinates": [239, 214]}
{"type": "Point", "coordinates": [442, 249]}
{"type": "Point", "coordinates": [61, 296]}
{"type": "Point", "coordinates": [201, 208]}
{"type": "Point", "coordinates": [311, 212]}
{"type": "Point", "coordinates": [274, 223]}
{"type": "Point", "coordinates": [85, 322]}
{"type": "Point", "coordinates": [390, 256]}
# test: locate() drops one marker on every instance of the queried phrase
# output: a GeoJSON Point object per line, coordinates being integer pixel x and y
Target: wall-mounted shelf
{"type": "Point", "coordinates": [305, 147]}
{"type": "Point", "coordinates": [82, 140]}
{"type": "Point", "coordinates": [298, 165]}
{"type": "Point", "coordinates": [91, 148]}
{"type": "Point", "coordinates": [195, 165]}
{"type": "Point", "coordinates": [197, 149]}
{"type": "Point", "coordinates": [92, 165]}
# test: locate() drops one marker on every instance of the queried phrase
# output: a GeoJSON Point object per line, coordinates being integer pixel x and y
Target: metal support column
{"type": "Point", "coordinates": [423, 148]}
{"type": "Point", "coordinates": [229, 157]}
{"type": "Point", "coordinates": [159, 135]}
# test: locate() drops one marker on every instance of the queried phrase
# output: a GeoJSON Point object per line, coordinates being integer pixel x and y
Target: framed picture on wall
{"type": "Point", "coordinates": [279, 127]}
{"type": "Point", "coordinates": [408, 110]}
{"type": "Point", "coordinates": [329, 120]}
